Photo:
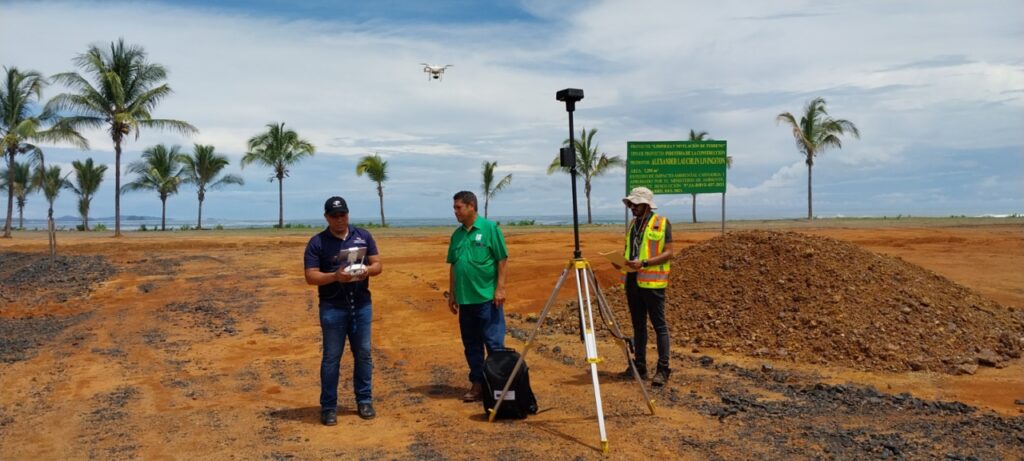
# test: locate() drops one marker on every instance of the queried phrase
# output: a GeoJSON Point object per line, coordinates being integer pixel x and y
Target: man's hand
{"type": "Point", "coordinates": [452, 306]}
{"type": "Point", "coordinates": [499, 296]}
{"type": "Point", "coordinates": [343, 277]}
{"type": "Point", "coordinates": [634, 264]}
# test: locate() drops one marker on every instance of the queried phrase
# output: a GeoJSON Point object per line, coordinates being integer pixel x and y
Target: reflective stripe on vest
{"type": "Point", "coordinates": [653, 244]}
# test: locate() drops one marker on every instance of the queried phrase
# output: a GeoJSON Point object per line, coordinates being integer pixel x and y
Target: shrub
{"type": "Point", "coordinates": [142, 228]}
{"type": "Point", "coordinates": [218, 227]}
{"type": "Point", "coordinates": [294, 226]}
{"type": "Point", "coordinates": [99, 227]}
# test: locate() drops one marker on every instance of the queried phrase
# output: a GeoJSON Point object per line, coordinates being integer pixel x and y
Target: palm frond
{"type": "Point", "coordinates": [502, 184]}
{"type": "Point", "coordinates": [373, 166]}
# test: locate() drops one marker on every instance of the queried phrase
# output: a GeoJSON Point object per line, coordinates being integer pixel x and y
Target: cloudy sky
{"type": "Point", "coordinates": [935, 87]}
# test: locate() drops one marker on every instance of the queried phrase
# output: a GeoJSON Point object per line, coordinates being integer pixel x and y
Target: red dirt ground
{"type": "Point", "coordinates": [206, 345]}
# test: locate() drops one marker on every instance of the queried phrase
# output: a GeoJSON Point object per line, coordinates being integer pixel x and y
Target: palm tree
{"type": "Point", "coordinates": [278, 148]}
{"type": "Point", "coordinates": [20, 127]}
{"type": "Point", "coordinates": [490, 188]}
{"type": "Point", "coordinates": [51, 182]}
{"type": "Point", "coordinates": [125, 90]}
{"type": "Point", "coordinates": [87, 181]}
{"type": "Point", "coordinates": [815, 133]}
{"type": "Point", "coordinates": [201, 168]}
{"type": "Point", "coordinates": [158, 170]}
{"type": "Point", "coordinates": [23, 186]}
{"type": "Point", "coordinates": [377, 169]}
{"type": "Point", "coordinates": [590, 163]}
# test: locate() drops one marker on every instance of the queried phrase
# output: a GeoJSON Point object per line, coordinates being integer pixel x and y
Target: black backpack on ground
{"type": "Point", "coordinates": [520, 401]}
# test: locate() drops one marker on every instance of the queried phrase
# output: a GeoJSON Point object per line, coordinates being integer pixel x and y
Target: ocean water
{"type": "Point", "coordinates": [135, 223]}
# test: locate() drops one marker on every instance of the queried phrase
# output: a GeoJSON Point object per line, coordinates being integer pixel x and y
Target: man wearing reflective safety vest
{"type": "Point", "coordinates": [648, 256]}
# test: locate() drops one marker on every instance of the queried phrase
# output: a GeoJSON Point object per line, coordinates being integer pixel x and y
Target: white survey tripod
{"type": "Point", "coordinates": [586, 283]}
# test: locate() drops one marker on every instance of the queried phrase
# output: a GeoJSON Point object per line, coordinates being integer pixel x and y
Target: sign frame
{"type": "Point", "coordinates": [677, 167]}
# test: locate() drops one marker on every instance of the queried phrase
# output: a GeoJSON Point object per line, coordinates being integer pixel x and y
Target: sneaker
{"type": "Point", "coordinates": [366, 411]}
{"type": "Point", "coordinates": [628, 373]}
{"type": "Point", "coordinates": [474, 394]}
{"type": "Point", "coordinates": [329, 417]}
{"type": "Point", "coordinates": [661, 376]}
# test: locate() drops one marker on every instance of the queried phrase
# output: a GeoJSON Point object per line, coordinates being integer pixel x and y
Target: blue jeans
{"type": "Point", "coordinates": [482, 326]}
{"type": "Point", "coordinates": [337, 323]}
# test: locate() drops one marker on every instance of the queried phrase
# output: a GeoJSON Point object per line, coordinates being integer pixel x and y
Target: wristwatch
{"type": "Point", "coordinates": [643, 263]}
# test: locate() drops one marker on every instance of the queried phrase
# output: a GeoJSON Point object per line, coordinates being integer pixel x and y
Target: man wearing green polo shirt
{"type": "Point", "coordinates": [476, 281]}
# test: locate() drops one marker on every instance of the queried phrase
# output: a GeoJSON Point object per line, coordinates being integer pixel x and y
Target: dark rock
{"type": "Point", "coordinates": [519, 334]}
{"type": "Point", "coordinates": [988, 358]}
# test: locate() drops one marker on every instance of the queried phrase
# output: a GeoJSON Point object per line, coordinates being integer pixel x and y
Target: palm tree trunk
{"type": "Point", "coordinates": [280, 202]}
{"type": "Point", "coordinates": [810, 215]}
{"type": "Point", "coordinates": [380, 194]}
{"type": "Point", "coordinates": [202, 196]}
{"type": "Point", "coordinates": [21, 216]}
{"type": "Point", "coordinates": [694, 206]}
{"type": "Point", "coordinates": [117, 187]}
{"type": "Point", "coordinates": [52, 231]}
{"type": "Point", "coordinates": [163, 213]}
{"type": "Point", "coordinates": [590, 219]}
{"type": "Point", "coordinates": [10, 193]}
{"type": "Point", "coordinates": [487, 200]}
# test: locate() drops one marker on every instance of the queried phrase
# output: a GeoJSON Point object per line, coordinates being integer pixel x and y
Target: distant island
{"type": "Point", "coordinates": [108, 218]}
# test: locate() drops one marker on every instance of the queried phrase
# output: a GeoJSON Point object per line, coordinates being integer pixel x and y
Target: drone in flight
{"type": "Point", "coordinates": [434, 71]}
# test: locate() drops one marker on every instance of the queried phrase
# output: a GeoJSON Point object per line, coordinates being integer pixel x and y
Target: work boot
{"type": "Point", "coordinates": [628, 373]}
{"type": "Point", "coordinates": [366, 411]}
{"type": "Point", "coordinates": [661, 376]}
{"type": "Point", "coordinates": [474, 394]}
{"type": "Point", "coordinates": [329, 417]}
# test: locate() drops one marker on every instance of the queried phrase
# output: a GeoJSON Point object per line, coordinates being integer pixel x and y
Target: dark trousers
{"type": "Point", "coordinates": [644, 303]}
{"type": "Point", "coordinates": [482, 327]}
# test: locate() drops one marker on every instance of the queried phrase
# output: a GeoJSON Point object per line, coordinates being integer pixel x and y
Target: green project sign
{"type": "Point", "coordinates": [676, 167]}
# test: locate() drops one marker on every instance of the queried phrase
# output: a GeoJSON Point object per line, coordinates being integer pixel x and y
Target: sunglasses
{"type": "Point", "coordinates": [337, 215]}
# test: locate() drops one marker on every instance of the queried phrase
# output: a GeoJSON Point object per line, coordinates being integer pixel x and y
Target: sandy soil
{"type": "Point", "coordinates": [206, 345]}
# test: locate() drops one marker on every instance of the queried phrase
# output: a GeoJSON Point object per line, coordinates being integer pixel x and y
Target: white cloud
{"type": "Point", "coordinates": [944, 73]}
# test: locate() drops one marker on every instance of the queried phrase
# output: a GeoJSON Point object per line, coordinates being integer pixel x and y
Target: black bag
{"type": "Point", "coordinates": [519, 401]}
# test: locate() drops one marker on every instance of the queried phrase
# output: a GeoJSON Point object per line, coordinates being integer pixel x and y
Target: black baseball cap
{"type": "Point", "coordinates": [335, 205]}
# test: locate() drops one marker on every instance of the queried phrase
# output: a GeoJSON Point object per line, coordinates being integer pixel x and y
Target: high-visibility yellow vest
{"type": "Point", "coordinates": [653, 244]}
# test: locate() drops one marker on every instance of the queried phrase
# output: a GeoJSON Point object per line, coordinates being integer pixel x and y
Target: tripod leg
{"type": "Point", "coordinates": [590, 339]}
{"type": "Point", "coordinates": [613, 326]}
{"type": "Point", "coordinates": [529, 343]}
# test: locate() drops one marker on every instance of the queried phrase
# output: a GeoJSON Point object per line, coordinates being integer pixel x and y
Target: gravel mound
{"type": "Point", "coordinates": [793, 296]}
{"type": "Point", "coordinates": [821, 300]}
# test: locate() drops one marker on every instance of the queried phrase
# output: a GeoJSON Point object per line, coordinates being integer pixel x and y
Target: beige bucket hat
{"type": "Point", "coordinates": [640, 195]}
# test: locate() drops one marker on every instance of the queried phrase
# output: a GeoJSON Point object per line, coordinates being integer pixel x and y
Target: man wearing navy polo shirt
{"type": "Point", "coordinates": [476, 281]}
{"type": "Point", "coordinates": [345, 308]}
